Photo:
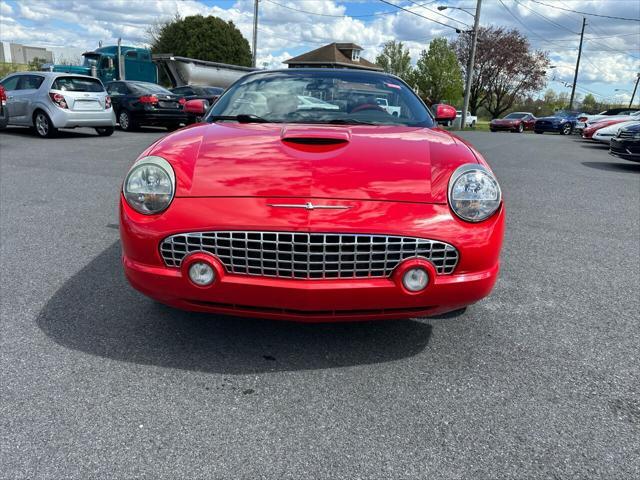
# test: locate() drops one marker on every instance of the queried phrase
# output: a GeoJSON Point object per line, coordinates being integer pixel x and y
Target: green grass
{"type": "Point", "coordinates": [481, 126]}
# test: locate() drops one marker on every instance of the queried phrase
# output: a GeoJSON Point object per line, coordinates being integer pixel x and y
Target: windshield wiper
{"type": "Point", "coordinates": [349, 121]}
{"type": "Point", "coordinates": [242, 118]}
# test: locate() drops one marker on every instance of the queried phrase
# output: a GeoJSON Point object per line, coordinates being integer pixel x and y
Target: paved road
{"type": "Point", "coordinates": [541, 380]}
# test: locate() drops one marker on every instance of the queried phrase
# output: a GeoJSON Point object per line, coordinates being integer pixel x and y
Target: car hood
{"type": "Point", "coordinates": [275, 161]}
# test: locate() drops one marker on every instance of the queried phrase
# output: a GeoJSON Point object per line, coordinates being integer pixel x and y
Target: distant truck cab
{"type": "Point", "coordinates": [114, 63]}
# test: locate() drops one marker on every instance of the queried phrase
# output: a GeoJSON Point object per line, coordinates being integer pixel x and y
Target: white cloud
{"type": "Point", "coordinates": [5, 9]}
{"type": "Point", "coordinates": [75, 25]}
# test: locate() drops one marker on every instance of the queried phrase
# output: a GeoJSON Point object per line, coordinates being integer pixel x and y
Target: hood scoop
{"type": "Point", "coordinates": [315, 136]}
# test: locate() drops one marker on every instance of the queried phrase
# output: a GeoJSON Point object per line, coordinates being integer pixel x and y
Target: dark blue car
{"type": "Point", "coordinates": [562, 122]}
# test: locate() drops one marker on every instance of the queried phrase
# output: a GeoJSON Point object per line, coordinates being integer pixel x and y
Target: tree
{"type": "Point", "coordinates": [589, 103]}
{"type": "Point", "coordinates": [437, 74]}
{"type": "Point", "coordinates": [506, 68]}
{"type": "Point", "coordinates": [205, 38]}
{"type": "Point", "coordinates": [395, 59]}
{"type": "Point", "coordinates": [35, 65]}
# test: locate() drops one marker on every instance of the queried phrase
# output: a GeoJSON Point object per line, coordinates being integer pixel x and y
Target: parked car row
{"type": "Point", "coordinates": [48, 101]}
{"type": "Point", "coordinates": [563, 122]}
{"type": "Point", "coordinates": [621, 132]}
{"type": "Point", "coordinates": [619, 127]}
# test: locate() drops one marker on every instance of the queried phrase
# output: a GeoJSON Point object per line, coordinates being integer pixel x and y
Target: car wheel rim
{"type": "Point", "coordinates": [567, 129]}
{"type": "Point", "coordinates": [42, 126]}
{"type": "Point", "coordinates": [520, 128]}
{"type": "Point", "coordinates": [124, 120]}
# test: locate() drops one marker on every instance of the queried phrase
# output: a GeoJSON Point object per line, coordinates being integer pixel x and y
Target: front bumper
{"type": "Point", "coordinates": [503, 127]}
{"type": "Point", "coordinates": [311, 300]}
{"type": "Point", "coordinates": [547, 128]}
{"type": "Point", "coordinates": [629, 150]}
{"type": "Point", "coordinates": [63, 118]}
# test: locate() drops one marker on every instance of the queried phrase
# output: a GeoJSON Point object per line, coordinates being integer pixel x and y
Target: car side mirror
{"type": "Point", "coordinates": [197, 107]}
{"type": "Point", "coordinates": [444, 112]}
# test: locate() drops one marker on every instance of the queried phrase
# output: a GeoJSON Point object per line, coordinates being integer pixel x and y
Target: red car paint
{"type": "Point", "coordinates": [591, 129]}
{"type": "Point", "coordinates": [394, 180]}
{"type": "Point", "coordinates": [513, 124]}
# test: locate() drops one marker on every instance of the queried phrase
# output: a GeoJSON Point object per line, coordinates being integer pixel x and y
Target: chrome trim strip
{"type": "Point", "coordinates": [308, 206]}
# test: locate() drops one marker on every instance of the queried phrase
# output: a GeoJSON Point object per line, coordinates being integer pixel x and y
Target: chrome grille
{"type": "Point", "coordinates": [308, 255]}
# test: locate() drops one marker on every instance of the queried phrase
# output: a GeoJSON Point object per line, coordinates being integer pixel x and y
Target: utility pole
{"type": "Point", "coordinates": [633, 95]}
{"type": "Point", "coordinates": [575, 75]}
{"type": "Point", "coordinates": [471, 65]}
{"type": "Point", "coordinates": [255, 33]}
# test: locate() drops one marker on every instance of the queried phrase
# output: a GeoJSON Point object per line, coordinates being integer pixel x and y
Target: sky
{"type": "Point", "coordinates": [609, 65]}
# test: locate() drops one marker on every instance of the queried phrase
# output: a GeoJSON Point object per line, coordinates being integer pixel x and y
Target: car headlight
{"type": "Point", "coordinates": [150, 185]}
{"type": "Point", "coordinates": [474, 193]}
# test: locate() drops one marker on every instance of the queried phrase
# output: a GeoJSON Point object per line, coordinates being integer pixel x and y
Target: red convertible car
{"type": "Point", "coordinates": [335, 213]}
{"type": "Point", "coordinates": [514, 122]}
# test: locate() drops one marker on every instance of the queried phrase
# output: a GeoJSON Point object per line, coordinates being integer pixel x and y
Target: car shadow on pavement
{"type": "Point", "coordinates": [595, 146]}
{"type": "Point", "coordinates": [29, 132]}
{"type": "Point", "coordinates": [614, 166]}
{"type": "Point", "coordinates": [97, 312]}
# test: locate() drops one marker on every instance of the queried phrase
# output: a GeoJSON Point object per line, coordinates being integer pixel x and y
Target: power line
{"type": "Point", "coordinates": [366, 15]}
{"type": "Point", "coordinates": [576, 33]}
{"type": "Point", "coordinates": [417, 14]}
{"type": "Point", "coordinates": [587, 13]}
{"type": "Point", "coordinates": [531, 31]}
{"type": "Point", "coordinates": [548, 20]}
{"type": "Point", "coordinates": [438, 13]}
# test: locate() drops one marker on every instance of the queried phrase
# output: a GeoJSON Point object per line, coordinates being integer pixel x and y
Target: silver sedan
{"type": "Point", "coordinates": [51, 100]}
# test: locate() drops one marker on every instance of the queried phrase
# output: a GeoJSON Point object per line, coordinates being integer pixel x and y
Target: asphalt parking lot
{"type": "Point", "coordinates": [540, 380]}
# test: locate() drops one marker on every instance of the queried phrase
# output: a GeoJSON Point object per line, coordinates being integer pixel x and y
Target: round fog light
{"type": "Point", "coordinates": [415, 279]}
{"type": "Point", "coordinates": [202, 274]}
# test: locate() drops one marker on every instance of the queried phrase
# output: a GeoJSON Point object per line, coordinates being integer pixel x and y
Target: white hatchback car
{"type": "Point", "coordinates": [51, 100]}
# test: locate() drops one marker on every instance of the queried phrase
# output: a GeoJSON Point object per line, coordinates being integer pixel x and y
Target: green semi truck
{"type": "Point", "coordinates": [115, 62]}
{"type": "Point", "coordinates": [119, 62]}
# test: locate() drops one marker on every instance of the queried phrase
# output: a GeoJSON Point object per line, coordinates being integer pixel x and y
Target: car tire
{"type": "Point", "coordinates": [43, 126]}
{"type": "Point", "coordinates": [538, 132]}
{"type": "Point", "coordinates": [126, 122]}
{"type": "Point", "coordinates": [105, 131]}
{"type": "Point", "coordinates": [521, 128]}
{"type": "Point", "coordinates": [473, 124]}
{"type": "Point", "coordinates": [566, 129]}
{"type": "Point", "coordinates": [493, 130]}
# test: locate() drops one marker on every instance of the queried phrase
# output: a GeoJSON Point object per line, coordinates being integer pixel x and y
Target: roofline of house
{"type": "Point", "coordinates": [324, 62]}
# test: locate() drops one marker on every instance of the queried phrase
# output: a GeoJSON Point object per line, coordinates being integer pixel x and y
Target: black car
{"type": "Point", "coordinates": [626, 144]}
{"type": "Point", "coordinates": [142, 103]}
{"type": "Point", "coordinates": [199, 92]}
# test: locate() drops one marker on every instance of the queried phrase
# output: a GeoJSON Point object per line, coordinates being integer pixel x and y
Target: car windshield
{"type": "Point", "coordinates": [77, 84]}
{"type": "Point", "coordinates": [331, 96]}
{"type": "Point", "coordinates": [143, 87]}
{"type": "Point", "coordinates": [516, 115]}
{"type": "Point", "coordinates": [90, 60]}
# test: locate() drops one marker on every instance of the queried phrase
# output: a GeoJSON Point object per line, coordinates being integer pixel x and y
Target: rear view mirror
{"type": "Point", "coordinates": [197, 107]}
{"type": "Point", "coordinates": [444, 112]}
